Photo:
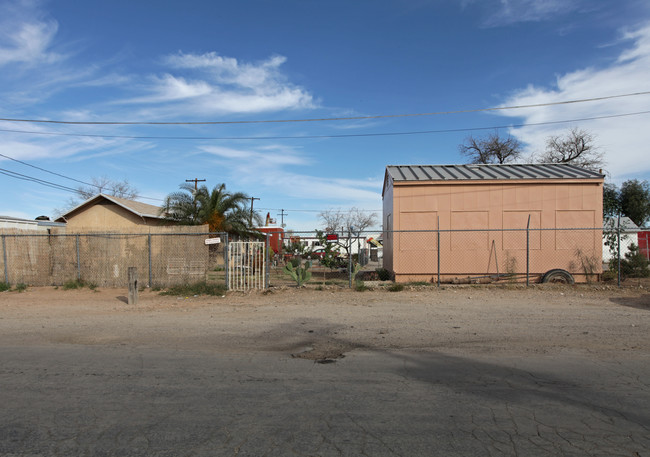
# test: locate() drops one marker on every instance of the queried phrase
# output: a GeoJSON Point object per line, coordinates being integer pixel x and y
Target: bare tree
{"type": "Point", "coordinates": [122, 189]}
{"type": "Point", "coordinates": [104, 185]}
{"type": "Point", "coordinates": [357, 219]}
{"type": "Point", "coordinates": [575, 147]}
{"type": "Point", "coordinates": [492, 149]}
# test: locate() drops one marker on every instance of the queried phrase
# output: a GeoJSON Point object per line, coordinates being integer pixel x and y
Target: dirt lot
{"type": "Point", "coordinates": [325, 324]}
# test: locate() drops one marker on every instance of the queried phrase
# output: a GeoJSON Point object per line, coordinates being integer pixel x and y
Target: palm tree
{"type": "Point", "coordinates": [223, 211]}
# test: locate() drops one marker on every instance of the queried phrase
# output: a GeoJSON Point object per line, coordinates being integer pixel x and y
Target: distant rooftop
{"type": "Point", "coordinates": [477, 172]}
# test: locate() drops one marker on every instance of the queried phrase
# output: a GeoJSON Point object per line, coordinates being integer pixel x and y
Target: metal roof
{"type": "Point", "coordinates": [478, 172]}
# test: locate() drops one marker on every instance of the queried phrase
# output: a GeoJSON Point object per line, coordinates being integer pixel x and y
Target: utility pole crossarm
{"type": "Point", "coordinates": [196, 182]}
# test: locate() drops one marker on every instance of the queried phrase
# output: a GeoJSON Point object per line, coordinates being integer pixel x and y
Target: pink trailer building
{"type": "Point", "coordinates": [483, 212]}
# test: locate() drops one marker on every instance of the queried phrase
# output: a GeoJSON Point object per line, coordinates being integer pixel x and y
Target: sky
{"type": "Point", "coordinates": [335, 69]}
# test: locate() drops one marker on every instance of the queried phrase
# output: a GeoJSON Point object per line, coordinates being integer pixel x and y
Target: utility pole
{"type": "Point", "coordinates": [252, 200]}
{"type": "Point", "coordinates": [196, 182]}
{"type": "Point", "coordinates": [282, 214]}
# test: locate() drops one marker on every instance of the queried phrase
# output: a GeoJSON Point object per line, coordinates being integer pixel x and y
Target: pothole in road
{"type": "Point", "coordinates": [323, 353]}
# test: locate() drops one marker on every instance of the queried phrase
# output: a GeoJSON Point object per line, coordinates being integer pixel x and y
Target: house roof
{"type": "Point", "coordinates": [37, 222]}
{"type": "Point", "coordinates": [478, 172]}
{"type": "Point", "coordinates": [627, 225]}
{"type": "Point", "coordinates": [138, 208]}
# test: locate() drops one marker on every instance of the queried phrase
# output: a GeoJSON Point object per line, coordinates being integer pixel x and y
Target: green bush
{"type": "Point", "coordinates": [21, 287]}
{"type": "Point", "coordinates": [74, 284]}
{"type": "Point", "coordinates": [359, 286]}
{"type": "Point", "coordinates": [4, 286]}
{"type": "Point", "coordinates": [397, 287]}
{"type": "Point", "coordinates": [634, 265]}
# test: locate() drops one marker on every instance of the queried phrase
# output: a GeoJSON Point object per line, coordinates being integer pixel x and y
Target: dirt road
{"type": "Point", "coordinates": [453, 371]}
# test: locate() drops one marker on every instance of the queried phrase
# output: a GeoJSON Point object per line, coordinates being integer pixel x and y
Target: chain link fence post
{"type": "Point", "coordinates": [149, 248]}
{"type": "Point", "coordinates": [4, 256]}
{"type": "Point", "coordinates": [78, 258]}
{"type": "Point", "coordinates": [528, 252]}
{"type": "Point", "coordinates": [618, 249]}
{"type": "Point", "coordinates": [438, 247]}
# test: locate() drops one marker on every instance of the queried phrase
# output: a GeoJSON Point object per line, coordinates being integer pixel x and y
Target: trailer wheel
{"type": "Point", "coordinates": [558, 276]}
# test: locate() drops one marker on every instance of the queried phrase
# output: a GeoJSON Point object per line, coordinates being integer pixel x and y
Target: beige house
{"type": "Point", "coordinates": [108, 213]}
{"type": "Point", "coordinates": [482, 213]}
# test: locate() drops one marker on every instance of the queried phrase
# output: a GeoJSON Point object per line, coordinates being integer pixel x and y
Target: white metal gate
{"type": "Point", "coordinates": [246, 265]}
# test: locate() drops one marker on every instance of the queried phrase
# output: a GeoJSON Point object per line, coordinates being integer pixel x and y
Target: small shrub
{"type": "Point", "coordinates": [397, 287]}
{"type": "Point", "coordinates": [21, 287]}
{"type": "Point", "coordinates": [74, 284]}
{"type": "Point", "coordinates": [359, 286]}
{"type": "Point", "coordinates": [4, 286]}
{"type": "Point", "coordinates": [198, 288]}
{"type": "Point", "coordinates": [634, 265]}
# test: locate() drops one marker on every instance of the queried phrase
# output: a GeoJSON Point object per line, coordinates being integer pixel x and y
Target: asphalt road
{"type": "Point", "coordinates": [120, 400]}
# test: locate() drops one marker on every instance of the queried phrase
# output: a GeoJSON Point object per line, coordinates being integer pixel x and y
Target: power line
{"type": "Point", "coordinates": [43, 182]}
{"type": "Point", "coordinates": [350, 135]}
{"type": "Point", "coordinates": [349, 118]}
{"type": "Point", "coordinates": [66, 177]}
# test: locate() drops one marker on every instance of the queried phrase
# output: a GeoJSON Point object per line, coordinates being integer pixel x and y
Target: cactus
{"type": "Point", "coordinates": [298, 273]}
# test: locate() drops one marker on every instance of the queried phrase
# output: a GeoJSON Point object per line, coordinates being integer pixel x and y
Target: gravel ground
{"type": "Point", "coordinates": [330, 322]}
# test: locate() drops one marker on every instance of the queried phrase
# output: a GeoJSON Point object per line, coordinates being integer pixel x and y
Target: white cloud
{"type": "Point", "coordinates": [624, 140]}
{"type": "Point", "coordinates": [222, 85]}
{"type": "Point", "coordinates": [506, 12]}
{"type": "Point", "coordinates": [25, 39]}
{"type": "Point", "coordinates": [266, 169]}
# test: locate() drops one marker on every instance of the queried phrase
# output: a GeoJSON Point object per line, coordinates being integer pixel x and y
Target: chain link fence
{"type": "Point", "coordinates": [103, 259]}
{"type": "Point", "coordinates": [431, 256]}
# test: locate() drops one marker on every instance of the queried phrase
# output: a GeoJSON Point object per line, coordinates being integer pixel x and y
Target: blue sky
{"type": "Point", "coordinates": [168, 61]}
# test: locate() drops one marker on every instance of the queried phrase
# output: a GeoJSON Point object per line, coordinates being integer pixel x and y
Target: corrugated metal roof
{"type": "Point", "coordinates": [474, 172]}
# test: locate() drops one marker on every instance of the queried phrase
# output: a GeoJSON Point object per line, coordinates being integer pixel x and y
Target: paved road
{"type": "Point", "coordinates": [69, 400]}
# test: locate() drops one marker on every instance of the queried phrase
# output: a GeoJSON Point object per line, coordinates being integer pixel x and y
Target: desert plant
{"type": "Point", "coordinates": [298, 273]}
{"type": "Point", "coordinates": [21, 287]}
{"type": "Point", "coordinates": [4, 286]}
{"type": "Point", "coordinates": [397, 287]}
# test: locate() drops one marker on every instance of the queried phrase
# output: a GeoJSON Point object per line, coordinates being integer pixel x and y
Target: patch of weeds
{"type": "Point", "coordinates": [320, 288]}
{"type": "Point", "coordinates": [21, 287]}
{"type": "Point", "coordinates": [198, 288]}
{"type": "Point", "coordinates": [92, 286]}
{"type": "Point", "coordinates": [4, 286]}
{"type": "Point", "coordinates": [359, 286]}
{"type": "Point", "coordinates": [74, 284]}
{"type": "Point", "coordinates": [156, 289]}
{"type": "Point", "coordinates": [397, 287]}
